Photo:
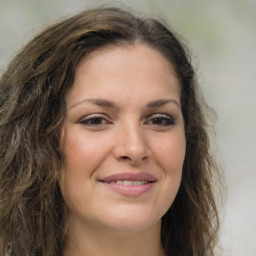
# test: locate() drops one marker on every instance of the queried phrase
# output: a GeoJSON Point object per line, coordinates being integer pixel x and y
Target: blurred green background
{"type": "Point", "coordinates": [222, 37]}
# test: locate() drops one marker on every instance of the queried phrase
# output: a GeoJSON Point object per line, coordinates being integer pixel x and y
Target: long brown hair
{"type": "Point", "coordinates": [32, 109]}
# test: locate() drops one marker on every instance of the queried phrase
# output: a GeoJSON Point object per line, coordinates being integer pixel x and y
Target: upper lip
{"type": "Point", "coordinates": [130, 176]}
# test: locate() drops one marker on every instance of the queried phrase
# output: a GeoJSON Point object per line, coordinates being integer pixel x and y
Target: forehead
{"type": "Point", "coordinates": [110, 53]}
{"type": "Point", "coordinates": [132, 69]}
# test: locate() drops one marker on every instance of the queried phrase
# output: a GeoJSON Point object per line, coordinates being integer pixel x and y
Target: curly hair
{"type": "Point", "coordinates": [32, 110]}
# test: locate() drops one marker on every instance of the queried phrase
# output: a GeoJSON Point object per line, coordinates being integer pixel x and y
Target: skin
{"type": "Point", "coordinates": [136, 126]}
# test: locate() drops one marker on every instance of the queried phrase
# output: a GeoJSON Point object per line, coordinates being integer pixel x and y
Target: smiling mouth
{"type": "Point", "coordinates": [129, 179]}
{"type": "Point", "coordinates": [130, 184]}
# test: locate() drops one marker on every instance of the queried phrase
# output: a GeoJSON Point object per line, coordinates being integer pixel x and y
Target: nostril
{"type": "Point", "coordinates": [125, 157]}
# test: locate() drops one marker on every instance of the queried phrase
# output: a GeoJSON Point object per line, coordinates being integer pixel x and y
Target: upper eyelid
{"type": "Point", "coordinates": [102, 115]}
{"type": "Point", "coordinates": [159, 115]}
{"type": "Point", "coordinates": [94, 115]}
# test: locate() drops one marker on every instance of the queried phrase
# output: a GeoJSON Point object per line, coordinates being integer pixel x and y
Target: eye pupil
{"type": "Point", "coordinates": [157, 120]}
{"type": "Point", "coordinates": [161, 121]}
{"type": "Point", "coordinates": [93, 121]}
{"type": "Point", "coordinates": [96, 121]}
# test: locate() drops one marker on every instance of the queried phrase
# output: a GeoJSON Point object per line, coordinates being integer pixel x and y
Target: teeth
{"type": "Point", "coordinates": [130, 182]}
{"type": "Point", "coordinates": [127, 182]}
{"type": "Point", "coordinates": [138, 182]}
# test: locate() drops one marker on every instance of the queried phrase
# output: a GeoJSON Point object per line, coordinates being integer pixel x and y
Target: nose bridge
{"type": "Point", "coordinates": [131, 142]}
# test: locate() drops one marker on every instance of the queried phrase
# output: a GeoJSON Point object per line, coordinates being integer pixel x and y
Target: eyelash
{"type": "Point", "coordinates": [96, 120]}
{"type": "Point", "coordinates": [167, 119]}
{"type": "Point", "coordinates": [93, 120]}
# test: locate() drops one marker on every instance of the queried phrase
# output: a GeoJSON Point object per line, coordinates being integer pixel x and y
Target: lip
{"type": "Point", "coordinates": [130, 176]}
{"type": "Point", "coordinates": [130, 190]}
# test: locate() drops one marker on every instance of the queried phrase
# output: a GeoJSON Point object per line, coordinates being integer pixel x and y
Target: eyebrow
{"type": "Point", "coordinates": [111, 104]}
{"type": "Point", "coordinates": [162, 102]}
{"type": "Point", "coordinates": [98, 102]}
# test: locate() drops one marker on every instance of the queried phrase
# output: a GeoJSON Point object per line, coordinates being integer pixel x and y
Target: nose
{"type": "Point", "coordinates": [131, 145]}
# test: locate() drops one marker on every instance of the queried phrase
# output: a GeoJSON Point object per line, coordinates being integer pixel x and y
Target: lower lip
{"type": "Point", "coordinates": [130, 190]}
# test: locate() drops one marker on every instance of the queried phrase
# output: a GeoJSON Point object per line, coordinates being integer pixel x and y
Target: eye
{"type": "Point", "coordinates": [94, 120]}
{"type": "Point", "coordinates": [162, 120]}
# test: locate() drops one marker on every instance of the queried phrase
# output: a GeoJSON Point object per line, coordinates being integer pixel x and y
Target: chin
{"type": "Point", "coordinates": [132, 221]}
{"type": "Point", "coordinates": [131, 227]}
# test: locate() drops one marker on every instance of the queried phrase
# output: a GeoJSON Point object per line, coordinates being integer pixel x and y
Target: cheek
{"type": "Point", "coordinates": [78, 167]}
{"type": "Point", "coordinates": [83, 154]}
{"type": "Point", "coordinates": [171, 153]}
{"type": "Point", "coordinates": [79, 152]}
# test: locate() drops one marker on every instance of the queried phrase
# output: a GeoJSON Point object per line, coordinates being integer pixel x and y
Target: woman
{"type": "Point", "coordinates": [104, 148]}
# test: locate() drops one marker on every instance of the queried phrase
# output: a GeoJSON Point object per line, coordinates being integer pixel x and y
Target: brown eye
{"type": "Point", "coordinates": [94, 120]}
{"type": "Point", "coordinates": [161, 120]}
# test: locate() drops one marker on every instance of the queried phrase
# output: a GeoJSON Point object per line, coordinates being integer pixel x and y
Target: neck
{"type": "Point", "coordinates": [99, 242]}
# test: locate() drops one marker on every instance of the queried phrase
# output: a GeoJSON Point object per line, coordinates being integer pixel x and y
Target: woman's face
{"type": "Point", "coordinates": [123, 140]}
